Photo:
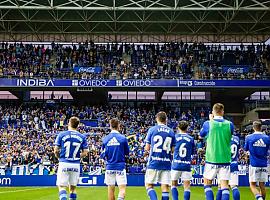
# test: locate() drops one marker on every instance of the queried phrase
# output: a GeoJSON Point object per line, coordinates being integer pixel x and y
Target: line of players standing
{"type": "Point", "coordinates": [161, 143]}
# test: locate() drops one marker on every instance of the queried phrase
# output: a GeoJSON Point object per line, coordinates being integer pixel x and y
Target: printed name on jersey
{"type": "Point", "coordinates": [72, 136]}
{"type": "Point", "coordinates": [259, 143]}
{"type": "Point", "coordinates": [161, 159]}
{"type": "Point", "coordinates": [162, 129]}
{"type": "Point", "coordinates": [182, 161]}
{"type": "Point", "coordinates": [70, 170]}
{"type": "Point", "coordinates": [259, 170]}
{"type": "Point", "coordinates": [183, 138]}
{"type": "Point", "coordinates": [113, 142]}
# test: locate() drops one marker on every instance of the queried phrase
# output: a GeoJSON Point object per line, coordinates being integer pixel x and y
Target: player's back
{"type": "Point", "coordinates": [71, 143]}
{"type": "Point", "coordinates": [258, 146]}
{"type": "Point", "coordinates": [162, 139]}
{"type": "Point", "coordinates": [235, 146]}
{"type": "Point", "coordinates": [184, 149]}
{"type": "Point", "coordinates": [115, 147]}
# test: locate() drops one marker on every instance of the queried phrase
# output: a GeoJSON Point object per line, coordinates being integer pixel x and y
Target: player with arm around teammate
{"type": "Point", "coordinates": [258, 145]}
{"type": "Point", "coordinates": [181, 165]}
{"type": "Point", "coordinates": [234, 179]}
{"type": "Point", "coordinates": [70, 147]}
{"type": "Point", "coordinates": [115, 149]}
{"type": "Point", "coordinates": [160, 141]}
{"type": "Point", "coordinates": [218, 133]}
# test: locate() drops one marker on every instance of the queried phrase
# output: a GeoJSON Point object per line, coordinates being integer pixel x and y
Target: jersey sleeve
{"type": "Point", "coordinates": [193, 147]}
{"type": "Point", "coordinates": [232, 127]}
{"type": "Point", "coordinates": [205, 129]}
{"type": "Point", "coordinates": [148, 136]}
{"type": "Point", "coordinates": [57, 141]}
{"type": "Point", "coordinates": [246, 147]}
{"type": "Point", "coordinates": [103, 152]}
{"type": "Point", "coordinates": [173, 139]}
{"type": "Point", "coordinates": [84, 143]}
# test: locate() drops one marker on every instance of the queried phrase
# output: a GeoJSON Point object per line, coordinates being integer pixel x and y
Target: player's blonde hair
{"type": "Point", "coordinates": [218, 108]}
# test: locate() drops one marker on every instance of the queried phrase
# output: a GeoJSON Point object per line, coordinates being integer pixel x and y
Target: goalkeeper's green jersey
{"type": "Point", "coordinates": [218, 139]}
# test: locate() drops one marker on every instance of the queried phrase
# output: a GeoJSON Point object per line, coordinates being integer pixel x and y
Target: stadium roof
{"type": "Point", "coordinates": [141, 17]}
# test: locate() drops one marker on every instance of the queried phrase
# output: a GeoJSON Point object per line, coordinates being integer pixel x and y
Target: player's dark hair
{"type": "Point", "coordinates": [218, 107]}
{"type": "Point", "coordinates": [257, 125]}
{"type": "Point", "coordinates": [162, 117]}
{"type": "Point", "coordinates": [74, 122]}
{"type": "Point", "coordinates": [114, 123]}
{"type": "Point", "coordinates": [183, 125]}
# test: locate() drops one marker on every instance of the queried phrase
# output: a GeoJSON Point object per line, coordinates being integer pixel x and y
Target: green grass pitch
{"type": "Point", "coordinates": [100, 193]}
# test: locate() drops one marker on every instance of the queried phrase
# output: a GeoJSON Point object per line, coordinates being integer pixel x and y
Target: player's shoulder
{"type": "Point", "coordinates": [151, 129]}
{"type": "Point", "coordinates": [234, 137]}
{"type": "Point", "coordinates": [206, 123]}
{"type": "Point", "coordinates": [106, 137]}
{"type": "Point", "coordinates": [62, 133]}
{"type": "Point", "coordinates": [249, 136]}
{"type": "Point", "coordinates": [121, 136]}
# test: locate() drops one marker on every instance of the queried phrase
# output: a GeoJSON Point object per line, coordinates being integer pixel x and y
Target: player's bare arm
{"type": "Point", "coordinates": [84, 153]}
{"type": "Point", "coordinates": [56, 151]}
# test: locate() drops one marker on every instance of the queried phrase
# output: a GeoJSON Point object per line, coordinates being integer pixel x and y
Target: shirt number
{"type": "Point", "coordinates": [166, 145]}
{"type": "Point", "coordinates": [233, 150]}
{"type": "Point", "coordinates": [183, 150]}
{"type": "Point", "coordinates": [67, 146]}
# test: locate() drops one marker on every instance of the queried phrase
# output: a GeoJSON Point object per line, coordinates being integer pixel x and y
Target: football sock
{"type": "Point", "coordinates": [72, 196]}
{"type": "Point", "coordinates": [225, 194]}
{"type": "Point", "coordinates": [219, 194]}
{"type": "Point", "coordinates": [152, 194]}
{"type": "Point", "coordinates": [165, 196]}
{"type": "Point", "coordinates": [174, 193]}
{"type": "Point", "coordinates": [187, 194]}
{"type": "Point", "coordinates": [208, 192]}
{"type": "Point", "coordinates": [63, 195]}
{"type": "Point", "coordinates": [236, 193]}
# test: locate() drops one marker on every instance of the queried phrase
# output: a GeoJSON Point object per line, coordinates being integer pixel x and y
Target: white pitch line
{"type": "Point", "coordinates": [21, 190]}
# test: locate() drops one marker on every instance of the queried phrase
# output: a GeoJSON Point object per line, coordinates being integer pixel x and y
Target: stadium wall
{"type": "Point", "coordinates": [133, 180]}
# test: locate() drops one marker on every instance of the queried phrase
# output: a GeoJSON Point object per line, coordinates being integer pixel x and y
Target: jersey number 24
{"type": "Point", "coordinates": [162, 145]}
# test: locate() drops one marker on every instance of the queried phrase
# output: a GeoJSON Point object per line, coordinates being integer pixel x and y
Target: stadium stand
{"type": "Point", "coordinates": [134, 61]}
{"type": "Point", "coordinates": [28, 133]}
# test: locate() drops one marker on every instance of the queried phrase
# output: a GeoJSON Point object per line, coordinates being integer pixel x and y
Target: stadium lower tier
{"type": "Point", "coordinates": [133, 193]}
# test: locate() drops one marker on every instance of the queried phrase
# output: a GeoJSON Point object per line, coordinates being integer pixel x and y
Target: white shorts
{"type": "Point", "coordinates": [234, 179]}
{"type": "Point", "coordinates": [115, 176]}
{"type": "Point", "coordinates": [68, 174]}
{"type": "Point", "coordinates": [211, 171]}
{"type": "Point", "coordinates": [185, 176]}
{"type": "Point", "coordinates": [258, 174]}
{"type": "Point", "coordinates": [153, 176]}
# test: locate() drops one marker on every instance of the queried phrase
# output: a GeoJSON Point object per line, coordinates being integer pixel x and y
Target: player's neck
{"type": "Point", "coordinates": [72, 129]}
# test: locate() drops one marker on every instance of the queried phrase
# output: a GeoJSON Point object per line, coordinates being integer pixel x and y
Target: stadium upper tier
{"type": "Point", "coordinates": [134, 61]}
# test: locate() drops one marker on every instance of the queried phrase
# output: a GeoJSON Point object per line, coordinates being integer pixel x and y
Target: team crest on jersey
{"type": "Point", "coordinates": [259, 143]}
{"type": "Point", "coordinates": [113, 142]}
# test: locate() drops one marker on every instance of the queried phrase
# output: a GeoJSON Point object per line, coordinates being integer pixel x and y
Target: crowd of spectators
{"type": "Point", "coordinates": [27, 132]}
{"type": "Point", "coordinates": [133, 61]}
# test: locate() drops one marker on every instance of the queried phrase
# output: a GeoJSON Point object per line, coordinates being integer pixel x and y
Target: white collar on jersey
{"type": "Point", "coordinates": [183, 133]}
{"type": "Point", "coordinates": [218, 117]}
{"type": "Point", "coordinates": [160, 124]}
{"type": "Point", "coordinates": [257, 132]}
{"type": "Point", "coordinates": [114, 131]}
